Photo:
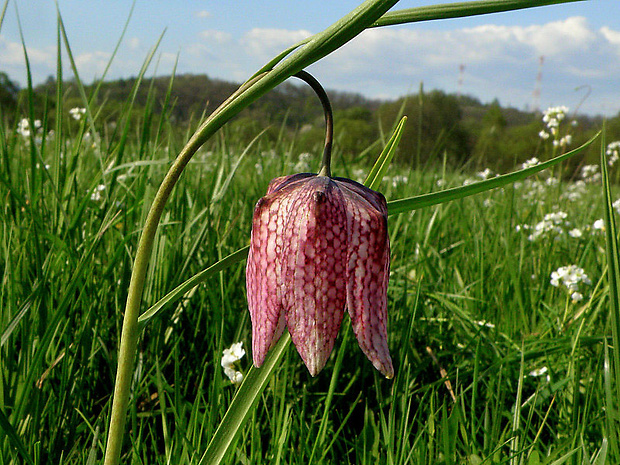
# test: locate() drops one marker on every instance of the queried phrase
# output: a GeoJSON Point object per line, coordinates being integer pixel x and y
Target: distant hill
{"type": "Point", "coordinates": [468, 131]}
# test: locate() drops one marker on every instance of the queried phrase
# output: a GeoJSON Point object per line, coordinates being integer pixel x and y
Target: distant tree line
{"type": "Point", "coordinates": [459, 130]}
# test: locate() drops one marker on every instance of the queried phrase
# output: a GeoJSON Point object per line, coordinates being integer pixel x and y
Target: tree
{"type": "Point", "coordinates": [8, 94]}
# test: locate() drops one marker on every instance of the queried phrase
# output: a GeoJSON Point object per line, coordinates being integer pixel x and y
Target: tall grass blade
{"type": "Point", "coordinates": [6, 3]}
{"type": "Point", "coordinates": [13, 437]}
{"type": "Point", "coordinates": [188, 285]}
{"type": "Point", "coordinates": [613, 277]}
{"type": "Point", "coordinates": [383, 162]}
{"type": "Point", "coordinates": [459, 10]}
{"type": "Point", "coordinates": [243, 404]}
{"type": "Point", "coordinates": [434, 198]}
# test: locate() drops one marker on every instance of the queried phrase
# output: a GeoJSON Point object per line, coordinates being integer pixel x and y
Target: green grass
{"type": "Point", "coordinates": [472, 313]}
{"type": "Point", "coordinates": [493, 364]}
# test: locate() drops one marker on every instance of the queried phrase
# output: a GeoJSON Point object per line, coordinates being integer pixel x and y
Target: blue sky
{"type": "Point", "coordinates": [500, 53]}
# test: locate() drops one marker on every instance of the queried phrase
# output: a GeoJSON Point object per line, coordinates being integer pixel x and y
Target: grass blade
{"type": "Point", "coordinates": [243, 404]}
{"type": "Point", "coordinates": [188, 285]}
{"type": "Point", "coordinates": [426, 200]}
{"type": "Point", "coordinates": [383, 162]}
{"type": "Point", "coordinates": [13, 438]}
{"type": "Point", "coordinates": [613, 276]}
{"type": "Point", "coordinates": [459, 10]}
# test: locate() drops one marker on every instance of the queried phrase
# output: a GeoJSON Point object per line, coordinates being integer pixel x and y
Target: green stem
{"type": "Point", "coordinates": [325, 169]}
{"type": "Point", "coordinates": [131, 329]}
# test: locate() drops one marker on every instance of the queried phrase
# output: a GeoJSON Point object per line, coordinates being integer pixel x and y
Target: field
{"type": "Point", "coordinates": [499, 354]}
{"type": "Point", "coordinates": [503, 307]}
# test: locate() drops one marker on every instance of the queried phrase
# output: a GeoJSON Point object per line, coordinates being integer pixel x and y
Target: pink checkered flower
{"type": "Point", "coordinates": [319, 244]}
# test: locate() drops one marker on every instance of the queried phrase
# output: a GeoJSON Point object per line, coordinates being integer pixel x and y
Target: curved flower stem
{"type": "Point", "coordinates": [131, 329]}
{"type": "Point", "coordinates": [325, 169]}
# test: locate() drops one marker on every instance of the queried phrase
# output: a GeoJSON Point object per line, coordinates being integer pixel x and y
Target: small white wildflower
{"type": "Point", "coordinates": [233, 354]}
{"type": "Point", "coordinates": [590, 173]}
{"type": "Point", "coordinates": [441, 182]}
{"type": "Point", "coordinates": [485, 324]}
{"type": "Point", "coordinates": [544, 135]}
{"type": "Point", "coordinates": [96, 195]}
{"type": "Point", "coordinates": [576, 296]}
{"type": "Point", "coordinates": [552, 123]}
{"type": "Point", "coordinates": [574, 191]}
{"type": "Point", "coordinates": [576, 233]}
{"type": "Point", "coordinates": [613, 152]}
{"type": "Point", "coordinates": [552, 182]}
{"type": "Point", "coordinates": [599, 225]}
{"type": "Point", "coordinates": [538, 372]}
{"type": "Point", "coordinates": [531, 162]}
{"type": "Point", "coordinates": [566, 140]}
{"type": "Point", "coordinates": [24, 129]}
{"type": "Point", "coordinates": [552, 223]}
{"type": "Point", "coordinates": [570, 276]}
{"type": "Point", "coordinates": [616, 205]}
{"type": "Point", "coordinates": [233, 375]}
{"type": "Point", "coordinates": [77, 113]}
{"type": "Point", "coordinates": [486, 174]}
{"type": "Point", "coordinates": [399, 179]}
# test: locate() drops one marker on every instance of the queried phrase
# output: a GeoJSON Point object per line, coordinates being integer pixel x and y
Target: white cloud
{"type": "Point", "coordinates": [215, 36]}
{"type": "Point", "coordinates": [92, 63]}
{"type": "Point", "coordinates": [264, 44]}
{"type": "Point", "coordinates": [134, 43]}
{"type": "Point", "coordinates": [203, 14]}
{"type": "Point", "coordinates": [613, 37]}
{"type": "Point", "coordinates": [12, 53]}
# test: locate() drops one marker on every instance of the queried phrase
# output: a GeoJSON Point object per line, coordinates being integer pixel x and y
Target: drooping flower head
{"type": "Point", "coordinates": [318, 245]}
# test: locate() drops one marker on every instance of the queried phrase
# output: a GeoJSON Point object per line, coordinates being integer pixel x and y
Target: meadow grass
{"type": "Point", "coordinates": [493, 363]}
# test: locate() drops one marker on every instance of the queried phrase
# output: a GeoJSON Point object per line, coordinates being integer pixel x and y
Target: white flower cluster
{"type": "Point", "coordinates": [24, 129]}
{"type": "Point", "coordinates": [552, 223]}
{"type": "Point", "coordinates": [399, 179]}
{"type": "Point", "coordinates": [480, 175]}
{"type": "Point", "coordinates": [529, 163]}
{"type": "Point", "coordinates": [535, 190]}
{"type": "Point", "coordinates": [96, 195]}
{"type": "Point", "coordinates": [613, 152]}
{"type": "Point", "coordinates": [570, 277]}
{"type": "Point", "coordinates": [563, 141]}
{"type": "Point", "coordinates": [590, 173]}
{"type": "Point", "coordinates": [303, 163]}
{"type": "Point", "coordinates": [574, 191]}
{"type": "Point", "coordinates": [231, 356]}
{"type": "Point", "coordinates": [553, 117]}
{"type": "Point", "coordinates": [77, 113]}
{"type": "Point", "coordinates": [486, 174]}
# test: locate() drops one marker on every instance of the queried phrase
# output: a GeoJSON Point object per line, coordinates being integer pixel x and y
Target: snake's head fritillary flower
{"type": "Point", "coordinates": [319, 244]}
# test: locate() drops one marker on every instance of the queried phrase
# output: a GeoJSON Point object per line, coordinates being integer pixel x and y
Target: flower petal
{"type": "Point", "coordinates": [261, 279]}
{"type": "Point", "coordinates": [368, 268]}
{"type": "Point", "coordinates": [313, 269]}
{"type": "Point", "coordinates": [280, 183]}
